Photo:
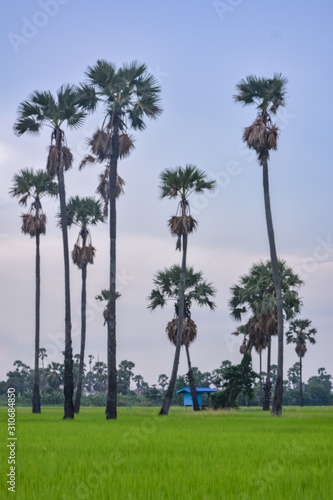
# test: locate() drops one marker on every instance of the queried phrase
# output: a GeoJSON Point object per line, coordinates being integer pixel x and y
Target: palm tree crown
{"type": "Point", "coordinates": [268, 95]}
{"type": "Point", "coordinates": [255, 292]}
{"type": "Point", "coordinates": [43, 109]}
{"type": "Point", "coordinates": [129, 93]}
{"type": "Point", "coordinates": [298, 333]}
{"type": "Point", "coordinates": [29, 184]}
{"type": "Point", "coordinates": [181, 183]}
{"type": "Point", "coordinates": [167, 284]}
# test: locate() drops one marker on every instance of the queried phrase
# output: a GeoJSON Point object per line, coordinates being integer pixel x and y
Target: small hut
{"type": "Point", "coordinates": [199, 390]}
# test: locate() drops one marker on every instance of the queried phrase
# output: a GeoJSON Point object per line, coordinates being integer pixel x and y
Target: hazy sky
{"type": "Point", "coordinates": [198, 51]}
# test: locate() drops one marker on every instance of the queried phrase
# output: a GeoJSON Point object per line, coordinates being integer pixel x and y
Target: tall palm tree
{"type": "Point", "coordinates": [83, 212]}
{"type": "Point", "coordinates": [27, 185]}
{"type": "Point", "coordinates": [299, 332]}
{"type": "Point", "coordinates": [129, 94]}
{"type": "Point", "coordinates": [261, 135]}
{"type": "Point", "coordinates": [256, 294]}
{"type": "Point", "coordinates": [181, 183]}
{"type": "Point", "coordinates": [43, 109]}
{"type": "Point", "coordinates": [197, 290]}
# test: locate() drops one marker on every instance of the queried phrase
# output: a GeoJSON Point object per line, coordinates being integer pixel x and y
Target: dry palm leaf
{"type": "Point", "coordinates": [301, 350]}
{"type": "Point", "coordinates": [272, 137]}
{"type": "Point", "coordinates": [106, 315]}
{"type": "Point", "coordinates": [189, 332]}
{"type": "Point", "coordinates": [32, 224]}
{"type": "Point", "coordinates": [125, 145]}
{"type": "Point", "coordinates": [67, 157]}
{"type": "Point", "coordinates": [52, 161]}
{"type": "Point", "coordinates": [101, 144]}
{"type": "Point", "coordinates": [86, 159]}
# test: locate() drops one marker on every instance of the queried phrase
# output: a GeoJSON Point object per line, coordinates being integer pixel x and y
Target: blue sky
{"type": "Point", "coordinates": [198, 51]}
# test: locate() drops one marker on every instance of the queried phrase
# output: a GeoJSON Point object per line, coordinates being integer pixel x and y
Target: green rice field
{"type": "Point", "coordinates": [211, 455]}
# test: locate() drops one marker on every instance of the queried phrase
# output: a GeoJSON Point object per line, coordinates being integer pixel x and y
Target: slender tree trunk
{"type": "Point", "coordinates": [68, 375]}
{"type": "Point", "coordinates": [268, 383]}
{"type": "Point", "coordinates": [36, 393]}
{"type": "Point", "coordinates": [169, 393]}
{"type": "Point", "coordinates": [278, 394]}
{"type": "Point", "coordinates": [111, 402]}
{"type": "Point", "coordinates": [300, 382]}
{"type": "Point", "coordinates": [191, 381]}
{"type": "Point", "coordinates": [260, 381]}
{"type": "Point", "coordinates": [83, 334]}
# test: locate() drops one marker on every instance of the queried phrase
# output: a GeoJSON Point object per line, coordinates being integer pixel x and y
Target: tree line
{"type": "Point", "coordinates": [132, 389]}
{"type": "Point", "coordinates": [127, 96]}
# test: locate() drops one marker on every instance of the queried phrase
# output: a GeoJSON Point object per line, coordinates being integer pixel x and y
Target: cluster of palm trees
{"type": "Point", "coordinates": [128, 95]}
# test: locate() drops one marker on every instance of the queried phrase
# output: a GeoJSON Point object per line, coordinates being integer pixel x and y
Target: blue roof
{"type": "Point", "coordinates": [198, 389]}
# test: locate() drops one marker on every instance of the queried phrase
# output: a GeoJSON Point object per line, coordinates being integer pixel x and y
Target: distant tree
{"type": "Point", "coordinates": [299, 332]}
{"type": "Point", "coordinates": [268, 94]}
{"type": "Point", "coordinates": [238, 379]}
{"type": "Point", "coordinates": [54, 378]}
{"type": "Point", "coordinates": [163, 380]}
{"type": "Point", "coordinates": [255, 294]}
{"type": "Point", "coordinates": [20, 377]}
{"type": "Point", "coordinates": [138, 379]}
{"type": "Point", "coordinates": [124, 375]}
{"type": "Point", "coordinates": [42, 355]}
{"type": "Point", "coordinates": [91, 357]}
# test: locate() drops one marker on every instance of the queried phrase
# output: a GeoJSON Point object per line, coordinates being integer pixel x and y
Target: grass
{"type": "Point", "coordinates": [243, 455]}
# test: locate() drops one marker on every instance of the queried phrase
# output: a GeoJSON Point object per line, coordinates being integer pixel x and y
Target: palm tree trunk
{"type": "Point", "coordinates": [68, 375]}
{"type": "Point", "coordinates": [83, 333]}
{"type": "Point", "coordinates": [260, 381]}
{"type": "Point", "coordinates": [191, 381]}
{"type": "Point", "coordinates": [36, 393]}
{"type": "Point", "coordinates": [278, 394]}
{"type": "Point", "coordinates": [300, 382]}
{"type": "Point", "coordinates": [169, 393]}
{"type": "Point", "coordinates": [268, 383]}
{"type": "Point", "coordinates": [111, 402]}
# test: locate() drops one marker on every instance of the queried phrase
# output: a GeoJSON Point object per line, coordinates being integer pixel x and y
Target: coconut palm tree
{"type": "Point", "coordinates": [129, 94]}
{"type": "Point", "coordinates": [255, 294]}
{"type": "Point", "coordinates": [261, 135]}
{"type": "Point", "coordinates": [30, 185]}
{"type": "Point", "coordinates": [299, 332]}
{"type": "Point", "coordinates": [197, 290]}
{"type": "Point", "coordinates": [43, 109]}
{"type": "Point", "coordinates": [181, 183]}
{"type": "Point", "coordinates": [83, 213]}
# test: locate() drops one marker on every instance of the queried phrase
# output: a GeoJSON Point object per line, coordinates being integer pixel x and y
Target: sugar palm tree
{"type": "Point", "coordinates": [30, 185]}
{"type": "Point", "coordinates": [43, 109]}
{"type": "Point", "coordinates": [255, 294]}
{"type": "Point", "coordinates": [181, 183]}
{"type": "Point", "coordinates": [299, 332]}
{"type": "Point", "coordinates": [261, 135]}
{"type": "Point", "coordinates": [129, 94]}
{"type": "Point", "coordinates": [197, 290]}
{"type": "Point", "coordinates": [83, 213]}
